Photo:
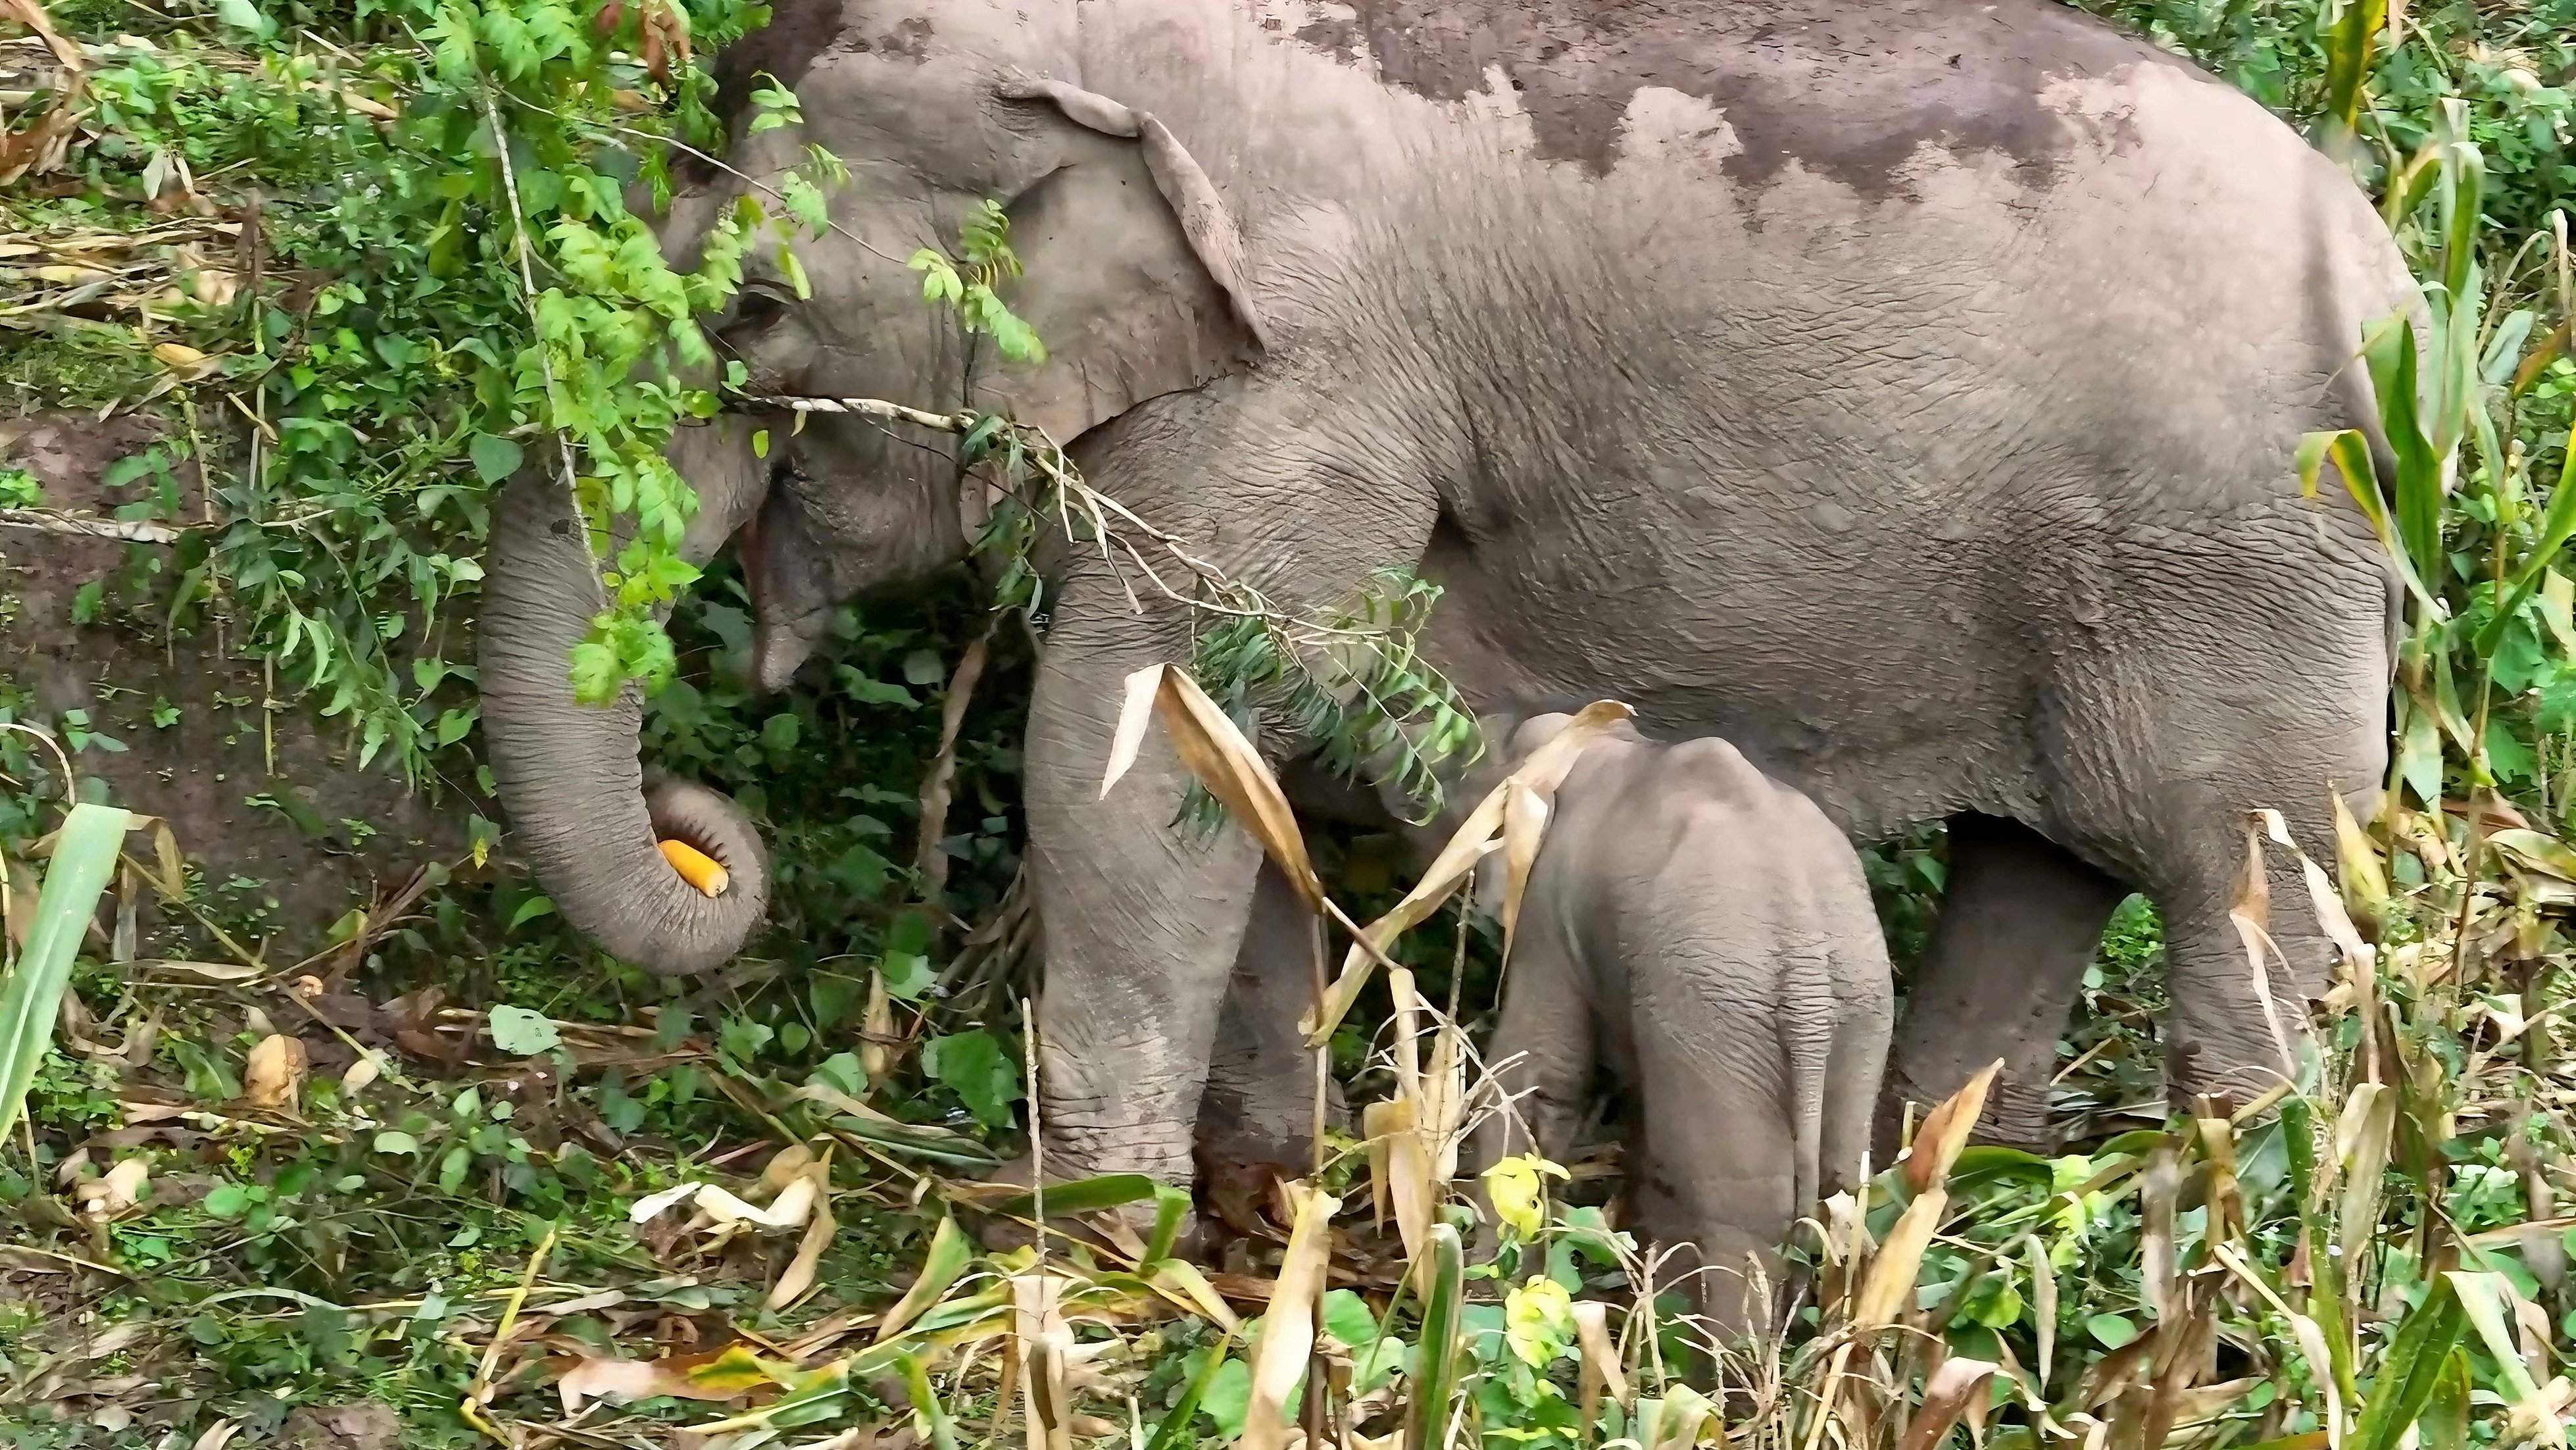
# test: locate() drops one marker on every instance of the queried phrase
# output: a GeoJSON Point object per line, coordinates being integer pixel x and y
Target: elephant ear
{"type": "Point", "coordinates": [1134, 269]}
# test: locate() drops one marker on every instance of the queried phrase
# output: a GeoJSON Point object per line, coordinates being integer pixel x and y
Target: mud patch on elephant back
{"type": "Point", "coordinates": [910, 39]}
{"type": "Point", "coordinates": [1851, 93]}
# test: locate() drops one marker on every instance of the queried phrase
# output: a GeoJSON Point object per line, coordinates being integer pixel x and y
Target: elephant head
{"type": "Point", "coordinates": [1132, 282]}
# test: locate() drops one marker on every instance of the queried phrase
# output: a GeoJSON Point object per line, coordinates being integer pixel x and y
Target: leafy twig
{"type": "Point", "coordinates": [527, 279]}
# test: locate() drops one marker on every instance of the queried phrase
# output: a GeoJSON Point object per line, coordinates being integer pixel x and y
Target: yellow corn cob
{"type": "Point", "coordinates": [696, 867]}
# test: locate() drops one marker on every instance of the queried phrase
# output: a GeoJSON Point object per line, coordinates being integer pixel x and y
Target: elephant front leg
{"type": "Point", "coordinates": [1143, 915]}
{"type": "Point", "coordinates": [1142, 919]}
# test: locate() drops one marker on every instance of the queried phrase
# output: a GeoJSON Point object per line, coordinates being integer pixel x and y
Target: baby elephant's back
{"type": "Point", "coordinates": [1692, 844]}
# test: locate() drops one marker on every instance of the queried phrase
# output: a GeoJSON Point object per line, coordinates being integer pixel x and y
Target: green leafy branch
{"type": "Point", "coordinates": [968, 282]}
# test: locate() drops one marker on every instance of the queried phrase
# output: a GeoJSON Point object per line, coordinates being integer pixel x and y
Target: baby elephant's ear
{"type": "Point", "coordinates": [1133, 267]}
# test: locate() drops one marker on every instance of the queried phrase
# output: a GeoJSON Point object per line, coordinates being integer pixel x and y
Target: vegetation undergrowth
{"type": "Point", "coordinates": [396, 1191]}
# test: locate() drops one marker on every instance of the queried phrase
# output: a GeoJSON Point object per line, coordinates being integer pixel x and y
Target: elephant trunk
{"type": "Point", "coordinates": [579, 803]}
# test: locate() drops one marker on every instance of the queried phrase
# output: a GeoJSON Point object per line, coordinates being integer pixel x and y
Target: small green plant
{"type": "Point", "coordinates": [969, 282]}
{"type": "Point", "coordinates": [85, 851]}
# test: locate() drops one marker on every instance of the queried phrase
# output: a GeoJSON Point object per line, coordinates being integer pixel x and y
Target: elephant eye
{"type": "Point", "coordinates": [759, 304]}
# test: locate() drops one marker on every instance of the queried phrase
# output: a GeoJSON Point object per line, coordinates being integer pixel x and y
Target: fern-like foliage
{"type": "Point", "coordinates": [1353, 686]}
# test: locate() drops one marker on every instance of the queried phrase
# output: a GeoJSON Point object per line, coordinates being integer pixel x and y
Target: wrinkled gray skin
{"type": "Point", "coordinates": [1704, 934]}
{"type": "Point", "coordinates": [1905, 392]}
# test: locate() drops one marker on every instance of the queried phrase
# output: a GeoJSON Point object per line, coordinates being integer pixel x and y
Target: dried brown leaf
{"type": "Point", "coordinates": [798, 1277]}
{"type": "Point", "coordinates": [876, 1031]}
{"type": "Point", "coordinates": [31, 13]}
{"type": "Point", "coordinates": [2251, 914]}
{"type": "Point", "coordinates": [274, 1077]}
{"type": "Point", "coordinates": [1135, 710]}
{"type": "Point", "coordinates": [1945, 1130]}
{"type": "Point", "coordinates": [1525, 814]}
{"type": "Point", "coordinates": [1540, 773]}
{"type": "Point", "coordinates": [1946, 1396]}
{"type": "Point", "coordinates": [2159, 1187]}
{"type": "Point", "coordinates": [1889, 1288]}
{"type": "Point", "coordinates": [2361, 1139]}
{"type": "Point", "coordinates": [1234, 772]}
{"type": "Point", "coordinates": [928, 857]}
{"type": "Point", "coordinates": [120, 1188]}
{"type": "Point", "coordinates": [1287, 1326]}
{"type": "Point", "coordinates": [1041, 1344]}
{"type": "Point", "coordinates": [784, 1167]}
{"type": "Point", "coordinates": [1601, 1372]}
{"type": "Point", "coordinates": [642, 1379]}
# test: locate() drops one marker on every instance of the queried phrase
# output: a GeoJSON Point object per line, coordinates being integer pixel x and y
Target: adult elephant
{"type": "Point", "coordinates": [1906, 391]}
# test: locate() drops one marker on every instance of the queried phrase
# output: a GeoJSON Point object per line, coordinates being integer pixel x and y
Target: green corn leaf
{"type": "Point", "coordinates": [2503, 351]}
{"type": "Point", "coordinates": [2464, 176]}
{"type": "Point", "coordinates": [2411, 1369]}
{"type": "Point", "coordinates": [2455, 383]}
{"type": "Point", "coordinates": [2446, 1417]}
{"type": "Point", "coordinates": [2557, 526]}
{"type": "Point", "coordinates": [2416, 502]}
{"type": "Point", "coordinates": [930, 1417]}
{"type": "Point", "coordinates": [2482, 1298]}
{"type": "Point", "coordinates": [950, 1252]}
{"type": "Point", "coordinates": [1171, 1205]}
{"type": "Point", "coordinates": [2349, 451]}
{"type": "Point", "coordinates": [1435, 1376]}
{"type": "Point", "coordinates": [1083, 1195]}
{"type": "Point", "coordinates": [2348, 55]}
{"type": "Point", "coordinates": [1175, 1431]}
{"type": "Point", "coordinates": [85, 851]}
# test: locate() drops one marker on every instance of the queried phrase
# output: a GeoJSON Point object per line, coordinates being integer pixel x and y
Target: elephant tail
{"type": "Point", "coordinates": [1833, 1147]}
{"type": "Point", "coordinates": [1811, 1091]}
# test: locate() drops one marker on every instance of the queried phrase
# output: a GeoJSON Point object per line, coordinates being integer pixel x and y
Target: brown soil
{"type": "Point", "coordinates": [203, 772]}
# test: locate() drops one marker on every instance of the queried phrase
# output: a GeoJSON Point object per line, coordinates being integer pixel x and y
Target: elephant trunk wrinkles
{"type": "Point", "coordinates": [578, 800]}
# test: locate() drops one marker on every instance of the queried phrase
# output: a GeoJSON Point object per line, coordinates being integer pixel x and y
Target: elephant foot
{"type": "Point", "coordinates": [2016, 1116]}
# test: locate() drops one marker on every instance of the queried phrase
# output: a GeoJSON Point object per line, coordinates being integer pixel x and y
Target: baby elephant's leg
{"type": "Point", "coordinates": [1720, 1163]}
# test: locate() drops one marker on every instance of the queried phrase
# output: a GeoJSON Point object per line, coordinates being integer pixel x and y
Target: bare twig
{"type": "Point", "coordinates": [527, 277]}
{"type": "Point", "coordinates": [91, 526]}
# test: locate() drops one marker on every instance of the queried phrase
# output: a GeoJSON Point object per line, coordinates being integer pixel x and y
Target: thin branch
{"type": "Point", "coordinates": [1118, 532]}
{"type": "Point", "coordinates": [132, 531]}
{"type": "Point", "coordinates": [527, 277]}
{"type": "Point", "coordinates": [718, 162]}
{"type": "Point", "coordinates": [52, 521]}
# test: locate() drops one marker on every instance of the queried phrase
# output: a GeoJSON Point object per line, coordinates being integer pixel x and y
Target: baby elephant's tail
{"type": "Point", "coordinates": [1837, 1088]}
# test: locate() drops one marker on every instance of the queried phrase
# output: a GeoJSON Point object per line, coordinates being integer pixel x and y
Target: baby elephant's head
{"type": "Point", "coordinates": [1511, 738]}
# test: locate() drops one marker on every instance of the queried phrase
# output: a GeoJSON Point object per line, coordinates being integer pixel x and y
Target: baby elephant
{"type": "Point", "coordinates": [1705, 933]}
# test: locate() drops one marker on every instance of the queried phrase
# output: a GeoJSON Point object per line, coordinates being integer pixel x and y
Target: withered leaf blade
{"type": "Point", "coordinates": [1539, 774]}
{"type": "Point", "coordinates": [1946, 1128]}
{"type": "Point", "coordinates": [1234, 772]}
{"type": "Point", "coordinates": [1288, 1325]}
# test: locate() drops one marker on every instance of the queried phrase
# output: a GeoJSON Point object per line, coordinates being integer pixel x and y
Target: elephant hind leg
{"type": "Point", "coordinates": [2017, 928]}
{"type": "Point", "coordinates": [2236, 1016]}
{"type": "Point", "coordinates": [2185, 722]}
{"type": "Point", "coordinates": [1260, 1101]}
